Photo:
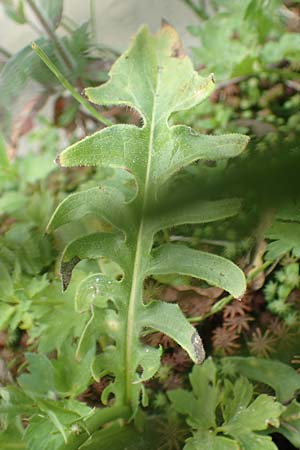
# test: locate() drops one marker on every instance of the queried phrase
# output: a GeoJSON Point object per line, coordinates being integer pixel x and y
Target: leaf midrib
{"type": "Point", "coordinates": [134, 293]}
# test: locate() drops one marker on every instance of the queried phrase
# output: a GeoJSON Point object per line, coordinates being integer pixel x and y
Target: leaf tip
{"type": "Point", "coordinates": [198, 348]}
{"type": "Point", "coordinates": [48, 228]}
{"type": "Point", "coordinates": [176, 47]}
{"type": "Point", "coordinates": [66, 269]}
{"type": "Point", "coordinates": [165, 23]}
{"type": "Point", "coordinates": [58, 161]}
{"type": "Point", "coordinates": [87, 93]}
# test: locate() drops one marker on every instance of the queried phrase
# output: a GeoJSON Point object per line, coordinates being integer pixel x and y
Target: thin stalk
{"type": "Point", "coordinates": [217, 307]}
{"type": "Point", "coordinates": [69, 86]}
{"type": "Point", "coordinates": [256, 271]}
{"type": "Point", "coordinates": [58, 44]}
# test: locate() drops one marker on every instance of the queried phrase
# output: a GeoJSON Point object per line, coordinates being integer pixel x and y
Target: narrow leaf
{"type": "Point", "coordinates": [272, 373]}
{"type": "Point", "coordinates": [52, 11]}
{"type": "Point", "coordinates": [290, 423]}
{"type": "Point", "coordinates": [213, 269]}
{"type": "Point", "coordinates": [169, 319]}
{"type": "Point", "coordinates": [201, 212]}
{"type": "Point", "coordinates": [111, 147]}
{"type": "Point", "coordinates": [92, 246]}
{"type": "Point", "coordinates": [186, 146]}
{"type": "Point", "coordinates": [104, 202]}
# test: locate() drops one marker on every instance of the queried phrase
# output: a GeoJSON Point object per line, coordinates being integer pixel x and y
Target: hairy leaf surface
{"type": "Point", "coordinates": [155, 78]}
{"type": "Point", "coordinates": [214, 269]}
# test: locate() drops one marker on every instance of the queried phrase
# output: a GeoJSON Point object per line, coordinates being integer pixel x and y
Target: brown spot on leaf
{"type": "Point", "coordinates": [66, 270]}
{"type": "Point", "coordinates": [198, 347]}
{"type": "Point", "coordinates": [57, 161]}
{"type": "Point", "coordinates": [176, 50]}
{"type": "Point", "coordinates": [165, 23]}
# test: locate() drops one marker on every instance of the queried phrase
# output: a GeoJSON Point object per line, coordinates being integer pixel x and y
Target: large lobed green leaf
{"type": "Point", "coordinates": [155, 78]}
{"type": "Point", "coordinates": [213, 269]}
{"type": "Point", "coordinates": [241, 419]}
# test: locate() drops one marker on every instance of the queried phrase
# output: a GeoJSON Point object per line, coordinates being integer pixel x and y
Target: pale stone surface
{"type": "Point", "coordinates": [117, 20]}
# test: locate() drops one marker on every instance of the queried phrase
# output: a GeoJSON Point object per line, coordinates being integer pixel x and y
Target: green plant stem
{"type": "Point", "coordinates": [69, 86]}
{"type": "Point", "coordinates": [51, 34]}
{"type": "Point", "coordinates": [217, 307]}
{"type": "Point", "coordinates": [94, 422]}
{"type": "Point", "coordinates": [253, 274]}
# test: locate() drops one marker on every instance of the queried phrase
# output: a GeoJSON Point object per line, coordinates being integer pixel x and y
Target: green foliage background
{"type": "Point", "coordinates": [115, 230]}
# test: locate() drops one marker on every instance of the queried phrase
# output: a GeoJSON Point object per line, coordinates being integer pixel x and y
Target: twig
{"type": "Point", "coordinates": [58, 44]}
{"type": "Point", "coordinates": [69, 87]}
